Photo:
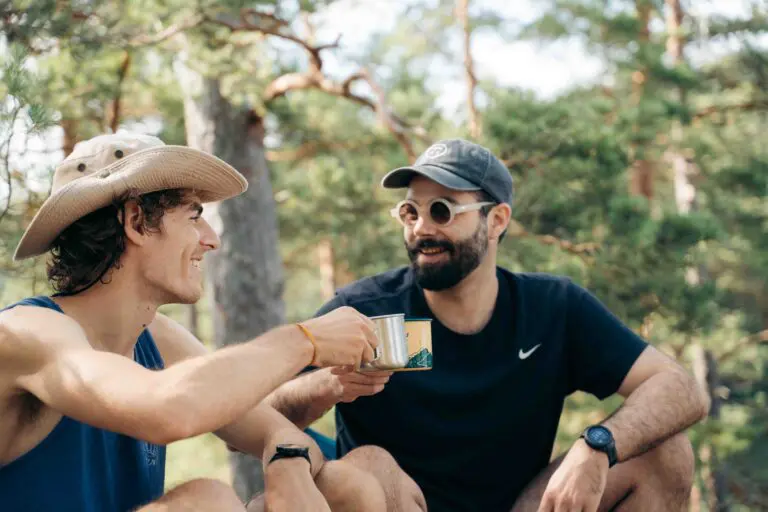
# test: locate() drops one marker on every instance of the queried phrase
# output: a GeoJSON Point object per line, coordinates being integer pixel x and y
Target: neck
{"type": "Point", "coordinates": [113, 315]}
{"type": "Point", "coordinates": [467, 307]}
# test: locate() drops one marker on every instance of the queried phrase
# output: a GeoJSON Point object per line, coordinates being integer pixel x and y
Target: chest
{"type": "Point", "coordinates": [483, 388]}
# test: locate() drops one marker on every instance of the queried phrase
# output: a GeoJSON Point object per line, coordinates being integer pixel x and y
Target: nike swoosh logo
{"type": "Point", "coordinates": [526, 355]}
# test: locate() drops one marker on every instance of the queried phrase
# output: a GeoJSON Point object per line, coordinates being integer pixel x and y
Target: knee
{"type": "Point", "coordinates": [370, 456]}
{"type": "Point", "coordinates": [674, 463]}
{"type": "Point", "coordinates": [399, 487]}
{"type": "Point", "coordinates": [214, 492]}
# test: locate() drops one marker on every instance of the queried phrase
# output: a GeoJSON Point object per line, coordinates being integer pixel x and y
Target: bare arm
{"type": "Point", "coordinates": [306, 398]}
{"type": "Point", "coordinates": [662, 399]}
{"type": "Point", "coordinates": [53, 360]}
{"type": "Point", "coordinates": [257, 431]}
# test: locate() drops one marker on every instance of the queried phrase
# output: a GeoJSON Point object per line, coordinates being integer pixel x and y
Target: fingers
{"type": "Point", "coordinates": [353, 391]}
{"type": "Point", "coordinates": [368, 354]}
{"type": "Point", "coordinates": [369, 330]}
{"type": "Point", "coordinates": [342, 370]}
{"type": "Point", "coordinates": [362, 379]}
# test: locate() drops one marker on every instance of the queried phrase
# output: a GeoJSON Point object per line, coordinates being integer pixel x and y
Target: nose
{"type": "Point", "coordinates": [208, 237]}
{"type": "Point", "coordinates": [423, 226]}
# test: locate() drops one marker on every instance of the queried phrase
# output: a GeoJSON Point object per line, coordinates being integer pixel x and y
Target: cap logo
{"type": "Point", "coordinates": [436, 151]}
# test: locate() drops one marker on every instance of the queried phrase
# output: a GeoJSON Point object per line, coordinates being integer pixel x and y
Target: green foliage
{"type": "Point", "coordinates": [685, 278]}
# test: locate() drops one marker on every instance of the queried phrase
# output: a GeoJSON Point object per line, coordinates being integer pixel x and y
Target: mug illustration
{"type": "Point", "coordinates": [418, 332]}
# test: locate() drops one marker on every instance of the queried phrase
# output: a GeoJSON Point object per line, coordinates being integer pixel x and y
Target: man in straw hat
{"type": "Point", "coordinates": [95, 382]}
{"type": "Point", "coordinates": [477, 431]}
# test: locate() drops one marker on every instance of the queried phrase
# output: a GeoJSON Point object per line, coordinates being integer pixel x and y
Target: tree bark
{"type": "Point", "coordinates": [706, 373]}
{"type": "Point", "coordinates": [245, 276]}
{"type": "Point", "coordinates": [326, 262]}
{"type": "Point", "coordinates": [462, 11]}
{"type": "Point", "coordinates": [705, 365]}
{"type": "Point", "coordinates": [642, 169]}
{"type": "Point", "coordinates": [70, 135]}
{"type": "Point", "coordinates": [193, 320]}
{"type": "Point", "coordinates": [114, 121]}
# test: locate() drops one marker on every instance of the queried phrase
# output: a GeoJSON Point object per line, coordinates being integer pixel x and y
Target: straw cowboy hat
{"type": "Point", "coordinates": [102, 169]}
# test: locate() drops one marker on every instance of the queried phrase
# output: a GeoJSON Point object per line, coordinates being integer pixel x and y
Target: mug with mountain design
{"type": "Point", "coordinates": [418, 333]}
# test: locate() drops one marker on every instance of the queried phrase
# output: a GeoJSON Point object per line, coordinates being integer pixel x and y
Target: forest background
{"type": "Point", "coordinates": [634, 130]}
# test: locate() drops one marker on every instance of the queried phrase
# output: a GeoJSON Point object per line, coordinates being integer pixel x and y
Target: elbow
{"type": "Point", "coordinates": [173, 419]}
{"type": "Point", "coordinates": [700, 399]}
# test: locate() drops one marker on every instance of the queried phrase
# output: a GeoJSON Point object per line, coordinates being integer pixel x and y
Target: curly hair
{"type": "Point", "coordinates": [89, 248]}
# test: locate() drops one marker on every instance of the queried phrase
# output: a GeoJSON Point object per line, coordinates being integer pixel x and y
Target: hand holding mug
{"type": "Point", "coordinates": [343, 337]}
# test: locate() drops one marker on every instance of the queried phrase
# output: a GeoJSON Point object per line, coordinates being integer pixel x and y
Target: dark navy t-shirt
{"type": "Point", "coordinates": [80, 468]}
{"type": "Point", "coordinates": [479, 426]}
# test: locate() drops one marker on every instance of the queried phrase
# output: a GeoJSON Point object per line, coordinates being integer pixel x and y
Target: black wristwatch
{"type": "Point", "coordinates": [290, 451]}
{"type": "Point", "coordinates": [600, 438]}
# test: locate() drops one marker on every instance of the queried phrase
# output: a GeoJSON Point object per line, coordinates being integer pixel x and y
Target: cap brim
{"type": "Point", "coordinates": [401, 178]}
{"type": "Point", "coordinates": [149, 170]}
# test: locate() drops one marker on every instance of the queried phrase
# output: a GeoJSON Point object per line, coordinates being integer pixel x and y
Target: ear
{"type": "Point", "coordinates": [131, 217]}
{"type": "Point", "coordinates": [498, 220]}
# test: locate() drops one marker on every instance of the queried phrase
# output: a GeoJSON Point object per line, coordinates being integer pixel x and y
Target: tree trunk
{"type": "Point", "coordinates": [685, 192]}
{"type": "Point", "coordinates": [462, 11]}
{"type": "Point", "coordinates": [70, 135]}
{"type": "Point", "coordinates": [705, 371]}
{"type": "Point", "coordinates": [245, 275]}
{"type": "Point", "coordinates": [705, 366]}
{"type": "Point", "coordinates": [642, 169]}
{"type": "Point", "coordinates": [193, 321]}
{"type": "Point", "coordinates": [326, 262]}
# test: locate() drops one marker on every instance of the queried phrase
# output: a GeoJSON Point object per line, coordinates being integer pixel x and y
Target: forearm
{"type": "Point", "coordinates": [663, 405]}
{"type": "Point", "coordinates": [248, 372]}
{"type": "Point", "coordinates": [262, 429]}
{"type": "Point", "coordinates": [306, 398]}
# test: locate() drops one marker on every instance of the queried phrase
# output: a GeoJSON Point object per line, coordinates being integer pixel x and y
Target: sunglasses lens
{"type": "Point", "coordinates": [408, 214]}
{"type": "Point", "coordinates": [440, 212]}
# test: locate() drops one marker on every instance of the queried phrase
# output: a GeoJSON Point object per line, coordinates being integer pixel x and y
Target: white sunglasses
{"type": "Point", "coordinates": [441, 211]}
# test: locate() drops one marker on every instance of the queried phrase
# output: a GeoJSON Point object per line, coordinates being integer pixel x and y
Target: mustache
{"type": "Point", "coordinates": [430, 243]}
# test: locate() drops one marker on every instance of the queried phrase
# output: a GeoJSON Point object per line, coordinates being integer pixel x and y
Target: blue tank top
{"type": "Point", "coordinates": [82, 468]}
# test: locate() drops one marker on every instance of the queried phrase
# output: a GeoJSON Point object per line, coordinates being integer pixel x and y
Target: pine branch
{"type": "Point", "coordinates": [252, 20]}
{"type": "Point", "coordinates": [166, 33]}
{"type": "Point", "coordinates": [6, 157]}
{"type": "Point", "coordinates": [269, 24]}
{"type": "Point", "coordinates": [753, 105]}
{"type": "Point", "coordinates": [581, 249]}
{"type": "Point", "coordinates": [312, 148]}
{"type": "Point", "coordinates": [759, 338]}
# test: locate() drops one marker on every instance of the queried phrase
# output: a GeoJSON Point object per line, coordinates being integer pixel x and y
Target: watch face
{"type": "Point", "coordinates": [292, 449]}
{"type": "Point", "coordinates": [599, 436]}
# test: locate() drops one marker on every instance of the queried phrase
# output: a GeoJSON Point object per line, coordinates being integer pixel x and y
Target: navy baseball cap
{"type": "Point", "coordinates": [459, 165]}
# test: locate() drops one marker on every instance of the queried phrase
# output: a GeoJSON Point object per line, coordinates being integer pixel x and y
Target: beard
{"type": "Point", "coordinates": [464, 257]}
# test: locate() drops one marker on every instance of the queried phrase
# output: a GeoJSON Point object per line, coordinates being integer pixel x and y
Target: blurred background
{"type": "Point", "coordinates": [635, 131]}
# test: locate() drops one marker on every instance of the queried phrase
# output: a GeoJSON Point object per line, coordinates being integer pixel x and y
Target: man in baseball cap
{"type": "Point", "coordinates": [95, 382]}
{"type": "Point", "coordinates": [477, 430]}
{"type": "Point", "coordinates": [458, 165]}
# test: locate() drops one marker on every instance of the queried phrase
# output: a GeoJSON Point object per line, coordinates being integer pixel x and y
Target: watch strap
{"type": "Point", "coordinates": [290, 452]}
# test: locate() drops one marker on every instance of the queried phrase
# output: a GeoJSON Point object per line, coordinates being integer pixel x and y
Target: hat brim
{"type": "Point", "coordinates": [401, 178]}
{"type": "Point", "coordinates": [148, 170]}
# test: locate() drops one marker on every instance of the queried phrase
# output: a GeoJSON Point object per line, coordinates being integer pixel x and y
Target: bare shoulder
{"type": "Point", "coordinates": [30, 338]}
{"type": "Point", "coordinates": [28, 332]}
{"type": "Point", "coordinates": [174, 341]}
